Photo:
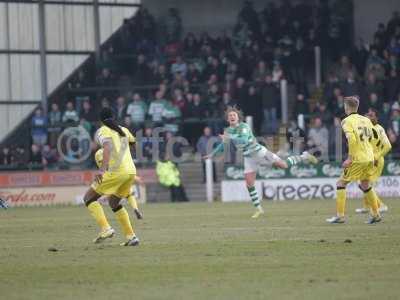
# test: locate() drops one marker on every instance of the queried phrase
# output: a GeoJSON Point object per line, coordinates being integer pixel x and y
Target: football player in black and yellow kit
{"type": "Point", "coordinates": [381, 146]}
{"type": "Point", "coordinates": [117, 175]}
{"type": "Point", "coordinates": [359, 166]}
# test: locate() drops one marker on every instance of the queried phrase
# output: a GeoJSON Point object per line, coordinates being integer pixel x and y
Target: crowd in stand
{"type": "Point", "coordinates": [193, 78]}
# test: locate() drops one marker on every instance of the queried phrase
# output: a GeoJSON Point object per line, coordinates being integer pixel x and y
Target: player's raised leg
{"type": "Point", "coordinates": [97, 212]}
{"type": "Point", "coordinates": [133, 202]}
{"type": "Point", "coordinates": [292, 160]}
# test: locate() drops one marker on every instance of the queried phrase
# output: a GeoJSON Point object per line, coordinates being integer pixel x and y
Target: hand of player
{"type": "Point", "coordinates": [139, 180]}
{"type": "Point", "coordinates": [347, 163]}
{"type": "Point", "coordinates": [206, 156]}
{"type": "Point", "coordinates": [98, 178]}
{"type": "Point", "coordinates": [223, 137]}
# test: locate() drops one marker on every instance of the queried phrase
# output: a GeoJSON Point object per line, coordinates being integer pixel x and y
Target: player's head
{"type": "Point", "coordinates": [351, 104]}
{"type": "Point", "coordinates": [107, 118]}
{"type": "Point", "coordinates": [233, 115]}
{"type": "Point", "coordinates": [98, 157]}
{"type": "Point", "coordinates": [372, 115]}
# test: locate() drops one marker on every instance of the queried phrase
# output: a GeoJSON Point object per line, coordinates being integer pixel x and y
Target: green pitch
{"type": "Point", "coordinates": [202, 251]}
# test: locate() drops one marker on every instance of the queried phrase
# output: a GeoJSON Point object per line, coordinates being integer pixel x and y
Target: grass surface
{"type": "Point", "coordinates": [202, 251]}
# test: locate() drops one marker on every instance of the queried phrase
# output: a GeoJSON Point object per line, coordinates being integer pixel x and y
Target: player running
{"type": "Point", "coordinates": [130, 198]}
{"type": "Point", "coordinates": [359, 166]}
{"type": "Point", "coordinates": [381, 146]}
{"type": "Point", "coordinates": [117, 174]}
{"type": "Point", "coordinates": [254, 154]}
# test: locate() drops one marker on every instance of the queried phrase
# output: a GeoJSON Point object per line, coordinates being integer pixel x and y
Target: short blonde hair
{"type": "Point", "coordinates": [235, 109]}
{"type": "Point", "coordinates": [352, 102]}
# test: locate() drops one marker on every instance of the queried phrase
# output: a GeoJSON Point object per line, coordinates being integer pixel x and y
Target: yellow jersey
{"type": "Point", "coordinates": [380, 142]}
{"type": "Point", "coordinates": [358, 131]}
{"type": "Point", "coordinates": [121, 159]}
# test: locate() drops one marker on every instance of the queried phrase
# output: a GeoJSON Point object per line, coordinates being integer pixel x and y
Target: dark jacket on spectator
{"type": "Point", "coordinates": [270, 96]}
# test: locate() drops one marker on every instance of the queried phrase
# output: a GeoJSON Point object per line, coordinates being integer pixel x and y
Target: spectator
{"type": "Point", "coordinates": [196, 109]}
{"type": "Point", "coordinates": [193, 74]}
{"type": "Point", "coordinates": [179, 66]}
{"type": "Point", "coordinates": [170, 177]}
{"type": "Point", "coordinates": [127, 122]}
{"type": "Point", "coordinates": [70, 115]}
{"type": "Point", "coordinates": [240, 94]}
{"type": "Point", "coordinates": [157, 107]}
{"type": "Point", "coordinates": [213, 101]}
{"type": "Point", "coordinates": [296, 138]}
{"type": "Point", "coordinates": [160, 75]}
{"type": "Point", "coordinates": [344, 68]}
{"type": "Point", "coordinates": [350, 86]}
{"type": "Point", "coordinates": [171, 114]}
{"type": "Point", "coordinates": [373, 86]}
{"type": "Point", "coordinates": [260, 72]}
{"type": "Point", "coordinates": [374, 102]}
{"type": "Point", "coordinates": [49, 156]}
{"type": "Point", "coordinates": [270, 100]}
{"type": "Point", "coordinates": [87, 112]}
{"type": "Point", "coordinates": [393, 23]}
{"type": "Point", "coordinates": [384, 115]}
{"type": "Point", "coordinates": [141, 71]}
{"type": "Point", "coordinates": [39, 127]}
{"type": "Point", "coordinates": [147, 144]}
{"type": "Point", "coordinates": [395, 141]}
{"type": "Point", "coordinates": [254, 107]}
{"type": "Point", "coordinates": [301, 105]}
{"type": "Point", "coordinates": [105, 78]}
{"type": "Point", "coordinates": [318, 139]}
{"type": "Point", "coordinates": [226, 101]}
{"type": "Point", "coordinates": [321, 112]}
{"type": "Point", "coordinates": [204, 146]}
{"type": "Point", "coordinates": [338, 107]}
{"type": "Point", "coordinates": [6, 158]}
{"type": "Point", "coordinates": [54, 122]}
{"type": "Point", "coordinates": [395, 121]}
{"type": "Point", "coordinates": [173, 25]}
{"type": "Point", "coordinates": [120, 108]}
{"type": "Point", "coordinates": [36, 155]}
{"type": "Point", "coordinates": [190, 45]}
{"type": "Point", "coordinates": [21, 157]}
{"type": "Point", "coordinates": [137, 110]}
{"type": "Point", "coordinates": [392, 86]}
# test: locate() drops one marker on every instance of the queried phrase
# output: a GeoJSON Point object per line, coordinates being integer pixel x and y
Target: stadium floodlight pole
{"type": "Point", "coordinates": [209, 180]}
{"type": "Point", "coordinates": [284, 101]}
{"type": "Point", "coordinates": [43, 59]}
{"type": "Point", "coordinates": [318, 79]}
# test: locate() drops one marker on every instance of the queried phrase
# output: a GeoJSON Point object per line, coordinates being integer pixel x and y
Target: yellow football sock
{"type": "Point", "coordinates": [132, 201]}
{"type": "Point", "coordinates": [378, 201]}
{"type": "Point", "coordinates": [97, 212]}
{"type": "Point", "coordinates": [123, 218]}
{"type": "Point", "coordinates": [371, 197]}
{"type": "Point", "coordinates": [340, 201]}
